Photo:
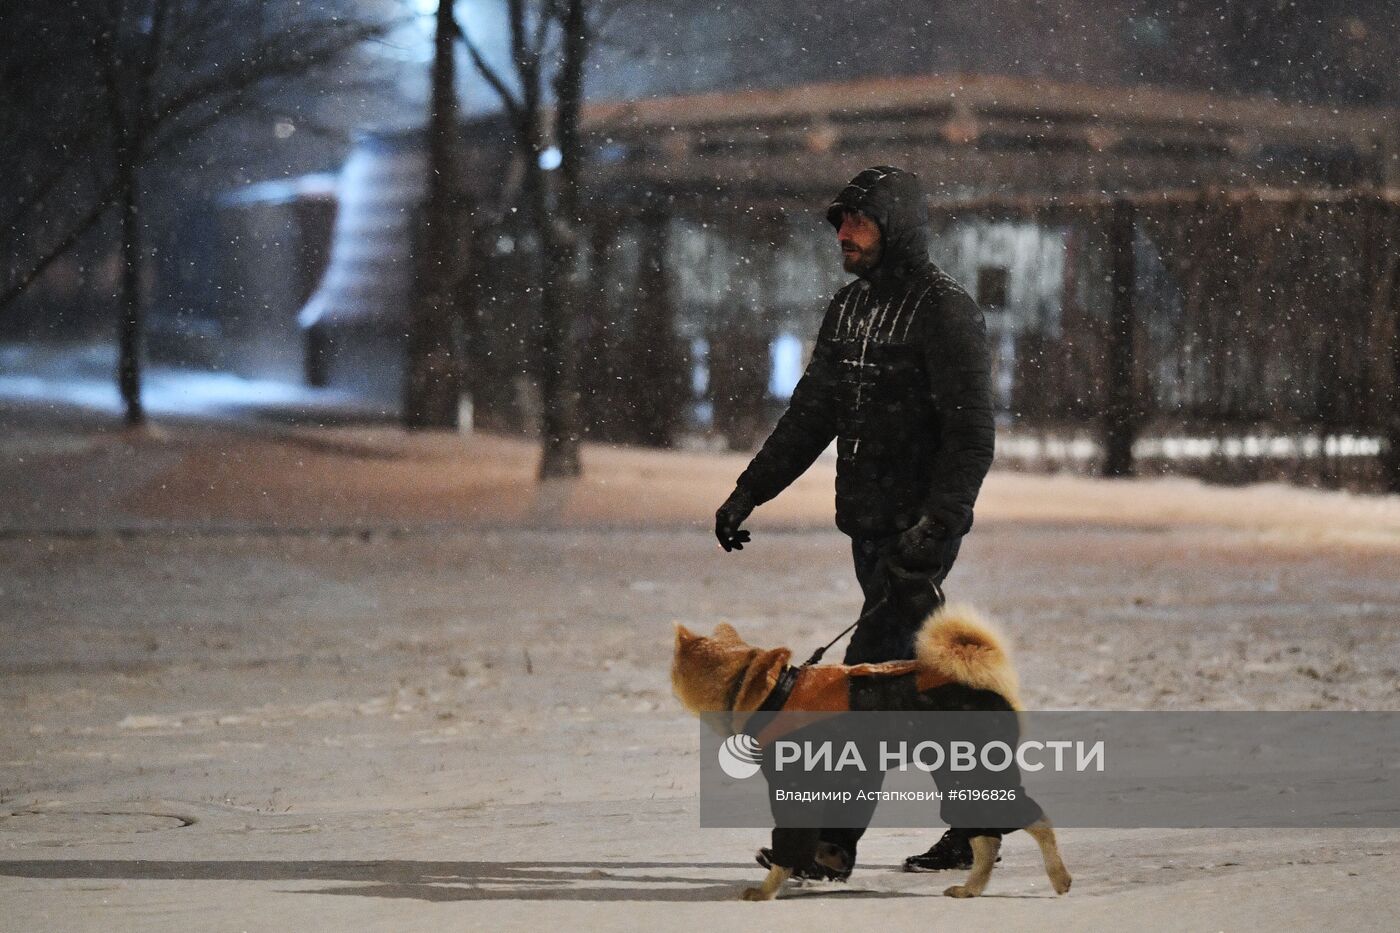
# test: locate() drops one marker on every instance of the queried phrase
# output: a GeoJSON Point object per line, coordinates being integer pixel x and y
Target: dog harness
{"type": "Point", "coordinates": [893, 685]}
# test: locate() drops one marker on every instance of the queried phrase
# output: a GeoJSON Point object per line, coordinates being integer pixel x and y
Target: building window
{"type": "Point", "coordinates": [785, 357]}
{"type": "Point", "coordinates": [992, 287]}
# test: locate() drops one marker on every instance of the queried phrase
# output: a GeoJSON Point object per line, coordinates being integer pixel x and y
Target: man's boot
{"type": "Point", "coordinates": [952, 851]}
{"type": "Point", "coordinates": [831, 863]}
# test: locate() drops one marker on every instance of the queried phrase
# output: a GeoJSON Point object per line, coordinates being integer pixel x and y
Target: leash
{"type": "Point", "coordinates": [777, 698]}
{"type": "Point", "coordinates": [817, 655]}
{"type": "Point", "coordinates": [939, 601]}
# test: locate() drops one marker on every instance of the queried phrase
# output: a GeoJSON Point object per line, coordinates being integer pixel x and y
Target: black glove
{"type": "Point", "coordinates": [730, 516]}
{"type": "Point", "coordinates": [913, 592]}
{"type": "Point", "coordinates": [919, 547]}
{"type": "Point", "coordinates": [949, 519]}
{"type": "Point", "coordinates": [911, 566]}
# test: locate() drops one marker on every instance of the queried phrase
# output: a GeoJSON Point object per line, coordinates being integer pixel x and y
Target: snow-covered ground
{"type": "Point", "coordinates": [81, 377]}
{"type": "Point", "coordinates": [267, 677]}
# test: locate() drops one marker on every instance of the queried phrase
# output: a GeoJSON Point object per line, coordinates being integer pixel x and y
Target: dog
{"type": "Point", "coordinates": [960, 664]}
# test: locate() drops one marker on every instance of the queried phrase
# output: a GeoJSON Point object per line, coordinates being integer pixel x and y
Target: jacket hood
{"type": "Point", "coordinates": [894, 199]}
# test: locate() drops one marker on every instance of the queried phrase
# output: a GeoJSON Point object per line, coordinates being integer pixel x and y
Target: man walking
{"type": "Point", "coordinates": [899, 378]}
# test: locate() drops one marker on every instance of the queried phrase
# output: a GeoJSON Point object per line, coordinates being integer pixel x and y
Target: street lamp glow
{"type": "Point", "coordinates": [551, 158]}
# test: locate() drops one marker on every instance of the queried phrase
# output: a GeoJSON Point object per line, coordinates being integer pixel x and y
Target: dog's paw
{"type": "Point", "coordinates": [755, 894]}
{"type": "Point", "coordinates": [959, 890]}
{"type": "Point", "coordinates": [1061, 882]}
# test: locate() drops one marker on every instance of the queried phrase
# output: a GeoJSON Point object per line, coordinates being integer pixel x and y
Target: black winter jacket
{"type": "Point", "coordinates": [899, 377]}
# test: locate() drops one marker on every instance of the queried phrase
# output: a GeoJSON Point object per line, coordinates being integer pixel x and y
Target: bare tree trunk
{"type": "Point", "coordinates": [129, 326]}
{"type": "Point", "coordinates": [1119, 421]}
{"type": "Point", "coordinates": [124, 67]}
{"type": "Point", "coordinates": [658, 381]}
{"type": "Point", "coordinates": [598, 402]}
{"type": "Point", "coordinates": [1390, 461]}
{"type": "Point", "coordinates": [432, 384]}
{"type": "Point", "coordinates": [559, 454]}
{"type": "Point", "coordinates": [568, 97]}
{"type": "Point", "coordinates": [556, 351]}
{"type": "Point", "coordinates": [556, 234]}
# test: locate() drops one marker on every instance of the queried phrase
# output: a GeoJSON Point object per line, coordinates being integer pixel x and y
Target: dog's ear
{"type": "Point", "coordinates": [685, 636]}
{"type": "Point", "coordinates": [725, 632]}
{"type": "Point", "coordinates": [764, 669]}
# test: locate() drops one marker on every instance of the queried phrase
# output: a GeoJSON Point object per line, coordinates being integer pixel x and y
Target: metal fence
{"type": "Point", "coordinates": [1235, 334]}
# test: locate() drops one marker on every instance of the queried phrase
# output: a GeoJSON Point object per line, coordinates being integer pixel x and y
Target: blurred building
{"type": "Point", "coordinates": [722, 197]}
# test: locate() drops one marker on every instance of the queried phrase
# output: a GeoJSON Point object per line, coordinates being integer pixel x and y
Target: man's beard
{"type": "Point", "coordinates": [859, 262]}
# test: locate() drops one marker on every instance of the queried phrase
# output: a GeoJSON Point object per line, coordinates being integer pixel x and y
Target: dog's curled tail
{"type": "Point", "coordinates": [962, 646]}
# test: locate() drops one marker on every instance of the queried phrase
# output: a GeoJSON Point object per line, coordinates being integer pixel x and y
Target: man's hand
{"type": "Point", "coordinates": [949, 520]}
{"type": "Point", "coordinates": [920, 547]}
{"type": "Point", "coordinates": [730, 516]}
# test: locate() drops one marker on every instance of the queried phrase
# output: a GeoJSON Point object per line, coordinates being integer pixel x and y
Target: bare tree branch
{"type": "Point", "coordinates": [568, 96]}
{"type": "Point", "coordinates": [542, 28]}
{"type": "Point", "coordinates": [288, 57]}
{"type": "Point", "coordinates": [89, 220]}
{"type": "Point", "coordinates": [155, 46]}
{"type": "Point", "coordinates": [88, 129]}
{"type": "Point", "coordinates": [491, 75]}
{"type": "Point", "coordinates": [602, 15]}
{"type": "Point", "coordinates": [146, 121]}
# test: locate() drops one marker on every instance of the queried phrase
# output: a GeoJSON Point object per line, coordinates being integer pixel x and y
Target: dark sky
{"type": "Point", "coordinates": [1337, 50]}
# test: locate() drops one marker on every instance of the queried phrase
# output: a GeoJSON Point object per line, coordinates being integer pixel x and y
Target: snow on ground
{"type": "Point", "coordinates": [259, 676]}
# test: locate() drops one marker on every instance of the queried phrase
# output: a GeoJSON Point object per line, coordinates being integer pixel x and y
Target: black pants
{"type": "Point", "coordinates": [888, 635]}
